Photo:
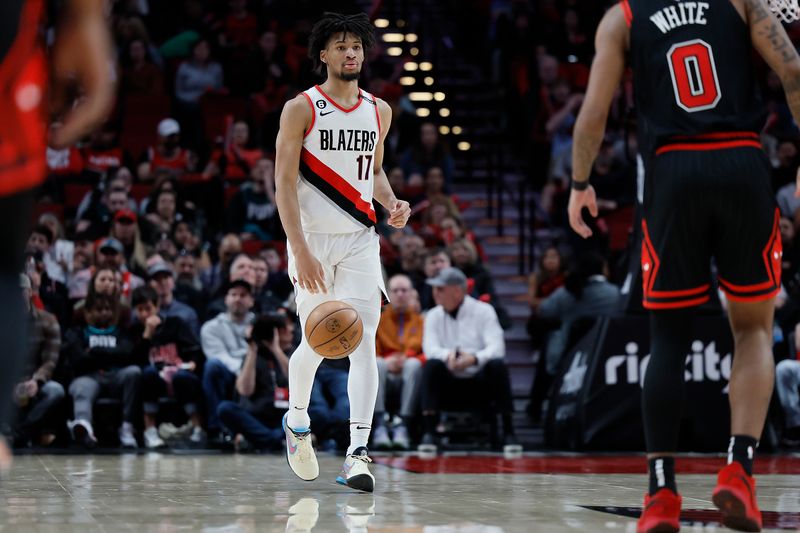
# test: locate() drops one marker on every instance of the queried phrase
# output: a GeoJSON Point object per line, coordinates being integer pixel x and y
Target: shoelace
{"type": "Point", "coordinates": [365, 458]}
{"type": "Point", "coordinates": [302, 449]}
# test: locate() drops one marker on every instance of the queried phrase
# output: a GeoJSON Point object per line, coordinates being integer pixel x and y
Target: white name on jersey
{"type": "Point", "coordinates": [352, 140]}
{"type": "Point", "coordinates": [683, 13]}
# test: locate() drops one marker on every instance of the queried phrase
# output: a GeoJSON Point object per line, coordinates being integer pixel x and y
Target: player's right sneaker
{"type": "Point", "coordinates": [661, 513]}
{"type": "Point", "coordinates": [300, 452]}
{"type": "Point", "coordinates": [735, 496]}
{"type": "Point", "coordinates": [355, 471]}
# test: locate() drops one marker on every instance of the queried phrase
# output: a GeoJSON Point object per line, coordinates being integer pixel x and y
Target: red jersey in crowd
{"type": "Point", "coordinates": [177, 164]}
{"type": "Point", "coordinates": [66, 162]}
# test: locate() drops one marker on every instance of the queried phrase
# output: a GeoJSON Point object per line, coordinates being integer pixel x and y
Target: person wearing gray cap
{"type": "Point", "coordinates": [162, 280]}
{"type": "Point", "coordinates": [464, 346]}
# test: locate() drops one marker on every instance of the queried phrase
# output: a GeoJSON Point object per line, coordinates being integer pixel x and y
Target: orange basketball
{"type": "Point", "coordinates": [334, 329]}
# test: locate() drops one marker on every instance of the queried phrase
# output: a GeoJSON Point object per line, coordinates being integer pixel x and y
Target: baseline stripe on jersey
{"type": "Point", "coordinates": [335, 187]}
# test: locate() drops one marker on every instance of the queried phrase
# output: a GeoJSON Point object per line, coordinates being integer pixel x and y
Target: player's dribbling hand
{"type": "Point", "coordinates": [310, 275]}
{"type": "Point", "coordinates": [399, 213]}
{"type": "Point", "coordinates": [577, 201]}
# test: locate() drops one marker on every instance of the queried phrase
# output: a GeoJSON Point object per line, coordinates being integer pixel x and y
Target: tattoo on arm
{"type": "Point", "coordinates": [756, 11]}
{"type": "Point", "coordinates": [779, 42]}
{"type": "Point", "coordinates": [772, 30]}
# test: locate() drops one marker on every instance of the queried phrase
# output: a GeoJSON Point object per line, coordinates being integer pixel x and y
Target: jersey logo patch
{"type": "Point", "coordinates": [321, 104]}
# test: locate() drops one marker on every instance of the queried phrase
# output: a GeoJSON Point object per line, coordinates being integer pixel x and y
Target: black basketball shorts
{"type": "Point", "coordinates": [708, 204]}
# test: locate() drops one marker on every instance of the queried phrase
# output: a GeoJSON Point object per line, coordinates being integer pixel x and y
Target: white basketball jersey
{"type": "Point", "coordinates": [335, 184]}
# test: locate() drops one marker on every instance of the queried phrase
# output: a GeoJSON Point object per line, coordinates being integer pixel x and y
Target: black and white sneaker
{"type": "Point", "coordinates": [355, 471]}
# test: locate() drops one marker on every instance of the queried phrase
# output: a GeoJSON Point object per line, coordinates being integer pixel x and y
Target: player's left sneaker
{"type": "Point", "coordinates": [735, 496]}
{"type": "Point", "coordinates": [355, 471]}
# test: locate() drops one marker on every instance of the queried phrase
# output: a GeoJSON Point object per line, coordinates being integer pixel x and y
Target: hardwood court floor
{"type": "Point", "coordinates": [465, 494]}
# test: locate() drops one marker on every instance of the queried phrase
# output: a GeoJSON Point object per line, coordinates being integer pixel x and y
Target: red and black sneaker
{"type": "Point", "coordinates": [661, 513]}
{"type": "Point", "coordinates": [735, 496]}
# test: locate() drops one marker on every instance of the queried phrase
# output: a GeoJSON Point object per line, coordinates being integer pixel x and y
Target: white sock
{"type": "Point", "coordinates": [302, 368]}
{"type": "Point", "coordinates": [362, 383]}
{"type": "Point", "coordinates": [359, 436]}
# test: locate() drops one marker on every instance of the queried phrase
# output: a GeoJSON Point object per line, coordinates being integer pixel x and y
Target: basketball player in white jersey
{"type": "Point", "coordinates": [328, 170]}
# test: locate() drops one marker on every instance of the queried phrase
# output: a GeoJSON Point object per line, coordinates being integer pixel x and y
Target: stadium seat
{"type": "Point", "coordinates": [140, 117]}
{"type": "Point", "coordinates": [73, 194]}
{"type": "Point", "coordinates": [219, 110]}
{"type": "Point", "coordinates": [252, 247]}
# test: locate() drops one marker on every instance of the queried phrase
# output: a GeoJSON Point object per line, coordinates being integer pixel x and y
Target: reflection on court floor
{"type": "Point", "coordinates": [464, 494]}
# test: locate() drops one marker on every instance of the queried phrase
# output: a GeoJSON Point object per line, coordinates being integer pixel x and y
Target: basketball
{"type": "Point", "coordinates": [334, 329]}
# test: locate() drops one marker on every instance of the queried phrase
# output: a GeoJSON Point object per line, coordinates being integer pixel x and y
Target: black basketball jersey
{"type": "Point", "coordinates": [692, 69]}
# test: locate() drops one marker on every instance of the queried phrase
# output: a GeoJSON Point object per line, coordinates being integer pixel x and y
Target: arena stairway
{"type": "Point", "coordinates": [455, 93]}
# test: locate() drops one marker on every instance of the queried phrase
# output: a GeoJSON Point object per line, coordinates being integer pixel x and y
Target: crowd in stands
{"type": "Point", "coordinates": [156, 270]}
{"type": "Point", "coordinates": [540, 55]}
{"type": "Point", "coordinates": [160, 309]}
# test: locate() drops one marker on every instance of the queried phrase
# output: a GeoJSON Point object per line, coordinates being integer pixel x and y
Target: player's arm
{"type": "Point", "coordinates": [611, 43]}
{"type": "Point", "coordinates": [295, 121]}
{"type": "Point", "coordinates": [771, 41]}
{"type": "Point", "coordinates": [399, 210]}
{"type": "Point", "coordinates": [774, 45]}
{"type": "Point", "coordinates": [82, 54]}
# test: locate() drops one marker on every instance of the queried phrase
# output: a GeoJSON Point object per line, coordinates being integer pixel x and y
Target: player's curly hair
{"type": "Point", "coordinates": [333, 23]}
